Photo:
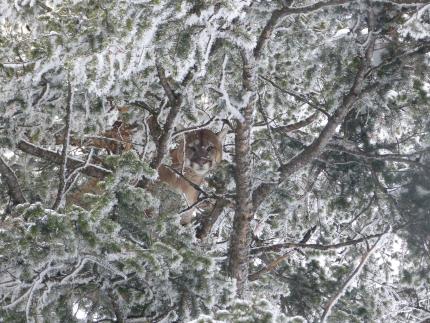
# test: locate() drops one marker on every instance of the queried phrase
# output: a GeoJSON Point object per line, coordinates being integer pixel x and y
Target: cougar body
{"type": "Point", "coordinates": [196, 155]}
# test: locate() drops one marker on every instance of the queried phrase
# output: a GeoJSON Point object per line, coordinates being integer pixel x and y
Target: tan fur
{"type": "Point", "coordinates": [200, 153]}
{"type": "Point", "coordinates": [194, 158]}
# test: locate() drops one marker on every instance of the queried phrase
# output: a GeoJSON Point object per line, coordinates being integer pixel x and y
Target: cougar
{"type": "Point", "coordinates": [196, 155]}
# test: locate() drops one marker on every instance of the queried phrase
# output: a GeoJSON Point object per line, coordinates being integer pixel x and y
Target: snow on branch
{"type": "Point", "coordinates": [64, 153]}
{"type": "Point", "coordinates": [230, 107]}
{"type": "Point", "coordinates": [316, 246]}
{"type": "Point", "coordinates": [297, 96]}
{"type": "Point", "coordinates": [318, 145]}
{"type": "Point", "coordinates": [278, 14]}
{"type": "Point", "coordinates": [49, 155]}
{"type": "Point", "coordinates": [399, 158]}
{"type": "Point", "coordinates": [333, 301]}
{"type": "Point", "coordinates": [238, 253]}
{"type": "Point", "coordinates": [175, 101]}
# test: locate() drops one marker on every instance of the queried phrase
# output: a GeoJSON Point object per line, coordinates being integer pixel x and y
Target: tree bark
{"type": "Point", "coordinates": [320, 143]}
{"type": "Point", "coordinates": [72, 163]}
{"type": "Point", "coordinates": [240, 237]}
{"type": "Point", "coordinates": [12, 183]}
{"type": "Point", "coordinates": [175, 101]}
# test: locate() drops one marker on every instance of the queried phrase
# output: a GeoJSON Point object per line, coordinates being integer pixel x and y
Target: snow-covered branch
{"type": "Point", "coordinates": [72, 163]}
{"type": "Point", "coordinates": [316, 246]}
{"type": "Point", "coordinates": [335, 298]}
{"type": "Point", "coordinates": [175, 101]}
{"type": "Point", "coordinates": [319, 144]}
{"type": "Point", "coordinates": [65, 151]}
{"type": "Point", "coordinates": [281, 13]}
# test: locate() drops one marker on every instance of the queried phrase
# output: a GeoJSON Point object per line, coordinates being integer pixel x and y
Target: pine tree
{"type": "Point", "coordinates": [319, 211]}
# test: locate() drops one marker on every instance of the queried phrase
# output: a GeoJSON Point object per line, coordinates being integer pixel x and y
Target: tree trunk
{"type": "Point", "coordinates": [244, 212]}
{"type": "Point", "coordinates": [239, 243]}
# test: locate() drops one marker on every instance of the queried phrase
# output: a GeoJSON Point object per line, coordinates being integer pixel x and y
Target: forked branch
{"type": "Point", "coordinates": [175, 101]}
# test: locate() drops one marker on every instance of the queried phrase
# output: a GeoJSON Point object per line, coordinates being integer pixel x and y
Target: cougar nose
{"type": "Point", "coordinates": [201, 161]}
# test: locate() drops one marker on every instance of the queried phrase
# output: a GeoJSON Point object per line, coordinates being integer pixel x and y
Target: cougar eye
{"type": "Point", "coordinates": [210, 148]}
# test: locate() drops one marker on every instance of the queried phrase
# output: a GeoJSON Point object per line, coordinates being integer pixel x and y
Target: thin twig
{"type": "Point", "coordinates": [287, 245]}
{"type": "Point", "coordinates": [269, 130]}
{"type": "Point", "coordinates": [175, 101]}
{"type": "Point", "coordinates": [186, 130]}
{"type": "Point", "coordinates": [195, 186]}
{"type": "Point", "coordinates": [297, 96]}
{"type": "Point", "coordinates": [64, 153]}
{"type": "Point", "coordinates": [334, 299]}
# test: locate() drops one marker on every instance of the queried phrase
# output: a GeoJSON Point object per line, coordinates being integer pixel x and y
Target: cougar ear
{"type": "Point", "coordinates": [221, 135]}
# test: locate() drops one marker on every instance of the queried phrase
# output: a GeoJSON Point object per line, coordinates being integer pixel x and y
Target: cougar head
{"type": "Point", "coordinates": [203, 150]}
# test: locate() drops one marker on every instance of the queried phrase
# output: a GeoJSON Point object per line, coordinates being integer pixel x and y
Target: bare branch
{"type": "Point", "coordinates": [71, 179]}
{"type": "Point", "coordinates": [64, 153]}
{"type": "Point", "coordinates": [288, 245]}
{"type": "Point", "coordinates": [12, 183]}
{"type": "Point", "coordinates": [400, 158]}
{"type": "Point", "coordinates": [104, 138]}
{"type": "Point", "coordinates": [144, 105]}
{"type": "Point", "coordinates": [72, 163]}
{"type": "Point", "coordinates": [192, 206]}
{"type": "Point", "coordinates": [297, 96]}
{"type": "Point", "coordinates": [332, 302]}
{"type": "Point", "coordinates": [412, 3]}
{"type": "Point", "coordinates": [206, 221]}
{"type": "Point", "coordinates": [165, 84]}
{"type": "Point", "coordinates": [269, 267]}
{"type": "Point", "coordinates": [182, 131]}
{"type": "Point", "coordinates": [195, 186]}
{"type": "Point", "coordinates": [278, 14]}
{"type": "Point", "coordinates": [296, 126]}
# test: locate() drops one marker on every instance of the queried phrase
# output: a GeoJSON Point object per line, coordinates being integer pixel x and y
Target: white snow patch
{"type": "Point", "coordinates": [78, 312]}
{"type": "Point", "coordinates": [421, 191]}
{"type": "Point", "coordinates": [342, 32]}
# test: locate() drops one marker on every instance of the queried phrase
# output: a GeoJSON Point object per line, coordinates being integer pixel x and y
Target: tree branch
{"type": "Point", "coordinates": [269, 267]}
{"type": "Point", "coordinates": [72, 163]}
{"type": "Point", "coordinates": [404, 2]}
{"type": "Point", "coordinates": [319, 144]}
{"type": "Point", "coordinates": [316, 246]}
{"type": "Point", "coordinates": [244, 212]}
{"type": "Point", "coordinates": [278, 14]}
{"type": "Point", "coordinates": [194, 185]}
{"type": "Point", "coordinates": [296, 126]}
{"type": "Point", "coordinates": [175, 106]}
{"type": "Point", "coordinates": [65, 150]}
{"type": "Point", "coordinates": [297, 96]}
{"type": "Point", "coordinates": [206, 221]}
{"type": "Point", "coordinates": [332, 302]}
{"type": "Point", "coordinates": [385, 157]}
{"type": "Point", "coordinates": [182, 131]}
{"type": "Point", "coordinates": [12, 183]}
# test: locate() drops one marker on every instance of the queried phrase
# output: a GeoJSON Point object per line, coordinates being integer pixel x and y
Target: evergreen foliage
{"type": "Point", "coordinates": [342, 230]}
